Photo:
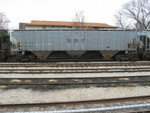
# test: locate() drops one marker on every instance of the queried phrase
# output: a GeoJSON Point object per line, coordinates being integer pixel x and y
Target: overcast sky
{"type": "Point", "coordinates": [100, 11]}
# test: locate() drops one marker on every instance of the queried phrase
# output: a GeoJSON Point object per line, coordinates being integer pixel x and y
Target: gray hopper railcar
{"type": "Point", "coordinates": [82, 44]}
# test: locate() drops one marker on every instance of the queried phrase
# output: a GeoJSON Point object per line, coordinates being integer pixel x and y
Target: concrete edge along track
{"type": "Point", "coordinates": [83, 106]}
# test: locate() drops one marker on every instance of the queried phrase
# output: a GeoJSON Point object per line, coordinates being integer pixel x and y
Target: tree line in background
{"type": "Point", "coordinates": [133, 15]}
{"type": "Point", "coordinates": [79, 19]}
{"type": "Point", "coordinates": [4, 21]}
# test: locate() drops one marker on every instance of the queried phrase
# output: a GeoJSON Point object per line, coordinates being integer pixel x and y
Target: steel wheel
{"type": "Point", "coordinates": [118, 57]}
{"type": "Point", "coordinates": [146, 56]}
{"type": "Point", "coordinates": [28, 58]}
{"type": "Point", "coordinates": [31, 58]}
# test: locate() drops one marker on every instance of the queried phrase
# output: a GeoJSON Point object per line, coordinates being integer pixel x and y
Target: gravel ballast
{"type": "Point", "coordinates": [17, 96]}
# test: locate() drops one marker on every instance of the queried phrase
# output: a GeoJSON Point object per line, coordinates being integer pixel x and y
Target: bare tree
{"type": "Point", "coordinates": [3, 21]}
{"type": "Point", "coordinates": [121, 21]}
{"type": "Point", "coordinates": [79, 20]}
{"type": "Point", "coordinates": [134, 14]}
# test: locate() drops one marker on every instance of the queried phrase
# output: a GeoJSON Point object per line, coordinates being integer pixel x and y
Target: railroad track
{"type": "Point", "coordinates": [46, 70]}
{"type": "Point", "coordinates": [65, 83]}
{"type": "Point", "coordinates": [29, 77]}
{"type": "Point", "coordinates": [75, 64]}
{"type": "Point", "coordinates": [73, 67]}
{"type": "Point", "coordinates": [37, 69]}
{"type": "Point", "coordinates": [113, 105]}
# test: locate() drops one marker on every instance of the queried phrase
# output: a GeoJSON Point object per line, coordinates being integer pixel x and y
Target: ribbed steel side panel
{"type": "Point", "coordinates": [48, 40]}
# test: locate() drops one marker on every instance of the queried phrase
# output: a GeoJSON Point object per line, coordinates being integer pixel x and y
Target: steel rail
{"type": "Point", "coordinates": [98, 70]}
{"type": "Point", "coordinates": [67, 85]}
{"type": "Point", "coordinates": [112, 108]}
{"type": "Point", "coordinates": [83, 105]}
{"type": "Point", "coordinates": [80, 102]}
{"type": "Point", "coordinates": [102, 108]}
{"type": "Point", "coordinates": [69, 81]}
{"type": "Point", "coordinates": [75, 64]}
